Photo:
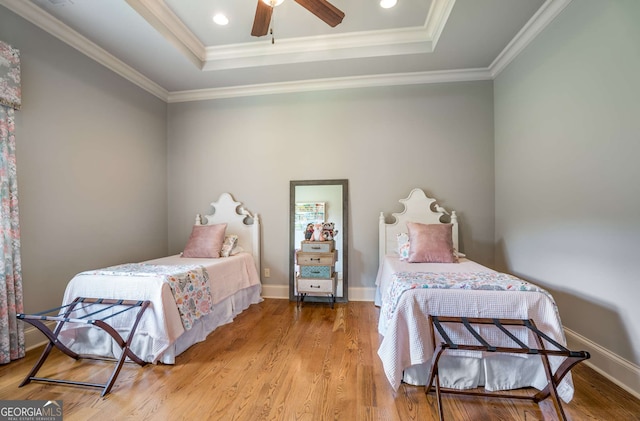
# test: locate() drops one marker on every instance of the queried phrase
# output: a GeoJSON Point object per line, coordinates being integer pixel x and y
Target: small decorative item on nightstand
{"type": "Point", "coordinates": [316, 260]}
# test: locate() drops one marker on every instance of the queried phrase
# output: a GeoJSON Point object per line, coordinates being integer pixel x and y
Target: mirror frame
{"type": "Point", "coordinates": [343, 241]}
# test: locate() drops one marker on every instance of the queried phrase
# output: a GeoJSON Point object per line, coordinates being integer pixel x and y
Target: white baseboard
{"type": "Point", "coordinates": [275, 291]}
{"type": "Point", "coordinates": [362, 294]}
{"type": "Point", "coordinates": [615, 368]}
{"type": "Point", "coordinates": [282, 292]}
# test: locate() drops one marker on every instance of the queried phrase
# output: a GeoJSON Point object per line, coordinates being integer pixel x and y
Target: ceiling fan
{"type": "Point", "coordinates": [321, 8]}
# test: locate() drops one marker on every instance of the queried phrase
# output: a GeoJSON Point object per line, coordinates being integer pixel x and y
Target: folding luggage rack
{"type": "Point", "coordinates": [102, 305]}
{"type": "Point", "coordinates": [571, 357]}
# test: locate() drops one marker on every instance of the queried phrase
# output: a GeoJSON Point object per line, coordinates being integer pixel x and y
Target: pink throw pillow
{"type": "Point", "coordinates": [430, 243]}
{"type": "Point", "coordinates": [205, 241]}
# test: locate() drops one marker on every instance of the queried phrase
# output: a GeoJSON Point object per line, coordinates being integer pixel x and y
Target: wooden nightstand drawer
{"type": "Point", "coordinates": [318, 246]}
{"type": "Point", "coordinates": [316, 271]}
{"type": "Point", "coordinates": [316, 259]}
{"type": "Point", "coordinates": [320, 286]}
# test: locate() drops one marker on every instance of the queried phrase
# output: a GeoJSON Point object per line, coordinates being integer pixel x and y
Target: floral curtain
{"type": "Point", "coordinates": [11, 332]}
{"type": "Point", "coordinates": [10, 91]}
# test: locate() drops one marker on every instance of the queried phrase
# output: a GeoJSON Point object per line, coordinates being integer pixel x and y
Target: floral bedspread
{"type": "Point", "coordinates": [189, 284]}
{"type": "Point", "coordinates": [490, 281]}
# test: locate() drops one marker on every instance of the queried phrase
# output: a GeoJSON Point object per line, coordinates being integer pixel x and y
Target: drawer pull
{"type": "Point", "coordinates": [312, 259]}
{"type": "Point", "coordinates": [314, 286]}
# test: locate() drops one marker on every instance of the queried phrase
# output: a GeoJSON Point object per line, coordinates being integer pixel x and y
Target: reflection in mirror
{"type": "Point", "coordinates": [313, 201]}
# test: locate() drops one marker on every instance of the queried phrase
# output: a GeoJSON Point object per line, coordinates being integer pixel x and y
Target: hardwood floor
{"type": "Point", "coordinates": [278, 362]}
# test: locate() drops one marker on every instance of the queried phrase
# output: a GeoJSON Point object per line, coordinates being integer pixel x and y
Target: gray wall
{"type": "Point", "coordinates": [385, 141]}
{"type": "Point", "coordinates": [567, 174]}
{"type": "Point", "coordinates": [91, 157]}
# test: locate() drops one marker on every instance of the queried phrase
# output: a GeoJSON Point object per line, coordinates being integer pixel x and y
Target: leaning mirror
{"type": "Point", "coordinates": [318, 222]}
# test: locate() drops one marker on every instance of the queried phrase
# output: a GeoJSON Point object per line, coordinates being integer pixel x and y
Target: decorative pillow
{"type": "Point", "coordinates": [205, 241]}
{"type": "Point", "coordinates": [430, 243]}
{"type": "Point", "coordinates": [403, 245]}
{"type": "Point", "coordinates": [237, 249]}
{"type": "Point", "coordinates": [230, 241]}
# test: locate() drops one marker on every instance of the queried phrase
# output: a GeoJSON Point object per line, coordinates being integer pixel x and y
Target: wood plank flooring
{"type": "Point", "coordinates": [279, 362]}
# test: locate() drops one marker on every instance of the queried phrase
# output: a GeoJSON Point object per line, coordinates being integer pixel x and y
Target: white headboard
{"type": "Point", "coordinates": [417, 208]}
{"type": "Point", "coordinates": [226, 210]}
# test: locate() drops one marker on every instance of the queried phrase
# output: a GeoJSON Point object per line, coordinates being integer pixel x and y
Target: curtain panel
{"type": "Point", "coordinates": [12, 344]}
{"type": "Point", "coordinates": [10, 91]}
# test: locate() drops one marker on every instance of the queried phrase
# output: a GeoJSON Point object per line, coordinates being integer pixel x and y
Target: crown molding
{"type": "Point", "coordinates": [415, 40]}
{"type": "Point", "coordinates": [549, 10]}
{"type": "Point", "coordinates": [415, 78]}
{"type": "Point", "coordinates": [437, 18]}
{"type": "Point", "coordinates": [319, 48]}
{"type": "Point", "coordinates": [321, 43]}
{"type": "Point", "coordinates": [53, 26]}
{"type": "Point", "coordinates": [162, 18]}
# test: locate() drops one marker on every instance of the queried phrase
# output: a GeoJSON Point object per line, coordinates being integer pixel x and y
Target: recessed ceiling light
{"type": "Point", "coordinates": [220, 19]}
{"type": "Point", "coordinates": [387, 4]}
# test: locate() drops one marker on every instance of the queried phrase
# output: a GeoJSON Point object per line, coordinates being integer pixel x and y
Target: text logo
{"type": "Point", "coordinates": [30, 410]}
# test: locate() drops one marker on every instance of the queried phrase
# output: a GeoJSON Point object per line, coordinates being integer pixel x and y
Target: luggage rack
{"type": "Point", "coordinates": [103, 304]}
{"type": "Point", "coordinates": [571, 357]}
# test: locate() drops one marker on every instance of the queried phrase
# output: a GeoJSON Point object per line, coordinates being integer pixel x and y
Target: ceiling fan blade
{"type": "Point", "coordinates": [262, 19]}
{"type": "Point", "coordinates": [324, 10]}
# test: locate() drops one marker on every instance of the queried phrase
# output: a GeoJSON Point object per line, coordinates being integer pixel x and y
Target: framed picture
{"type": "Point", "coordinates": [308, 213]}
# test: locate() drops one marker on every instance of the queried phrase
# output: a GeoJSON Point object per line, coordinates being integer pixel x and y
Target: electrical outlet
{"type": "Point", "coordinates": [267, 272]}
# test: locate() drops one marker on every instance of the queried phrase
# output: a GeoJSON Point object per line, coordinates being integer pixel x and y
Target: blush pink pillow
{"type": "Point", "coordinates": [430, 243]}
{"type": "Point", "coordinates": [205, 241]}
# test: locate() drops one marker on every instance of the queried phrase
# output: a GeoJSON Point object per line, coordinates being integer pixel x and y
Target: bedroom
{"type": "Point", "coordinates": [547, 144]}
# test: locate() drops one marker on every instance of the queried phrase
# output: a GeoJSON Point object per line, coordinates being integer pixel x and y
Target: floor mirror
{"type": "Point", "coordinates": [319, 202]}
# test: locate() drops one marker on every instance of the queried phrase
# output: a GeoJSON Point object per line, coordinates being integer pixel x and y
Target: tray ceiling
{"type": "Point", "coordinates": [173, 49]}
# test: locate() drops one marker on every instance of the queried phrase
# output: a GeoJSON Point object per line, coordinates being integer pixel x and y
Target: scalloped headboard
{"type": "Point", "coordinates": [417, 208]}
{"type": "Point", "coordinates": [239, 221]}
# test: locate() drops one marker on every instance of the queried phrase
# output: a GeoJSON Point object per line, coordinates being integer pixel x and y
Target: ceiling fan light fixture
{"type": "Point", "coordinates": [273, 3]}
{"type": "Point", "coordinates": [387, 4]}
{"type": "Point", "coordinates": [324, 10]}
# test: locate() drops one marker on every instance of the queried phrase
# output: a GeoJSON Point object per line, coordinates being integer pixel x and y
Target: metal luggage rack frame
{"type": "Point", "coordinates": [571, 357]}
{"type": "Point", "coordinates": [61, 318]}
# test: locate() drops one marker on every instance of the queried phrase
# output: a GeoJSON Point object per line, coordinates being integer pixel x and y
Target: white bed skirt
{"type": "Point", "coordinates": [494, 373]}
{"type": "Point", "coordinates": [87, 339]}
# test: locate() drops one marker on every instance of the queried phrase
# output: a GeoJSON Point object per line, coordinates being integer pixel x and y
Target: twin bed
{"type": "Point", "coordinates": [189, 296]}
{"type": "Point", "coordinates": [412, 284]}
